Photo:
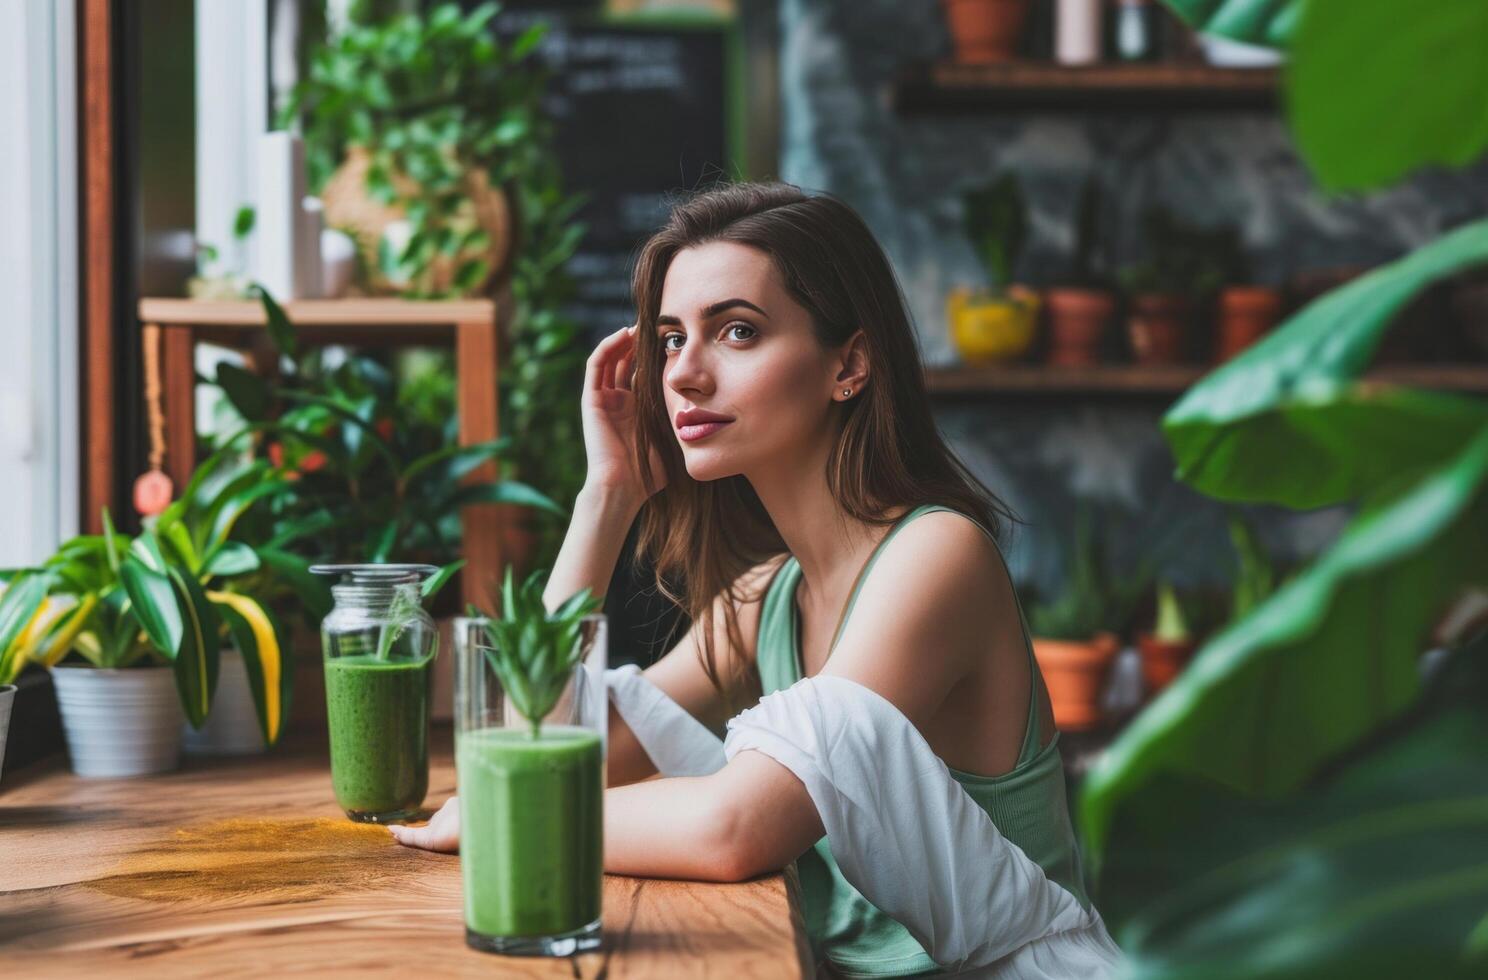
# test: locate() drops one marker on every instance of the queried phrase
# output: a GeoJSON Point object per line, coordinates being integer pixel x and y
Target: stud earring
{"type": "Point", "coordinates": [846, 392]}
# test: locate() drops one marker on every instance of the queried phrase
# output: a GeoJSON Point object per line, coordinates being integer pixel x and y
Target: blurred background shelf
{"type": "Point", "coordinates": [948, 87]}
{"type": "Point", "coordinates": [1121, 379]}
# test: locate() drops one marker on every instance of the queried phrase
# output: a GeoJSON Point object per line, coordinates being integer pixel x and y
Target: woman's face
{"type": "Point", "coordinates": [735, 344]}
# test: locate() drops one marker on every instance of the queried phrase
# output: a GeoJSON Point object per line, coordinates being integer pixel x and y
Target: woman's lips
{"type": "Point", "coordinates": [702, 430]}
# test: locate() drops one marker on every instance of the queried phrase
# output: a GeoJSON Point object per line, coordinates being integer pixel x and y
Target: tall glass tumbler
{"type": "Point", "coordinates": [379, 645]}
{"type": "Point", "coordinates": [531, 802]}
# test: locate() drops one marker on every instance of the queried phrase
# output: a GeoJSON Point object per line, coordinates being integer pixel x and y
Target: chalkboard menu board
{"type": "Point", "coordinates": [644, 108]}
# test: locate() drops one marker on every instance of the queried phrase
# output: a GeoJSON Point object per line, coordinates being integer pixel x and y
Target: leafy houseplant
{"type": "Point", "coordinates": [532, 652]}
{"type": "Point", "coordinates": [1183, 268]}
{"type": "Point", "coordinates": [1081, 308]}
{"type": "Point", "coordinates": [997, 324]}
{"type": "Point", "coordinates": [1168, 646]}
{"type": "Point", "coordinates": [164, 598]}
{"type": "Point", "coordinates": [359, 475]}
{"type": "Point", "coordinates": [1342, 834]}
{"type": "Point", "coordinates": [1074, 634]}
{"type": "Point", "coordinates": [447, 124]}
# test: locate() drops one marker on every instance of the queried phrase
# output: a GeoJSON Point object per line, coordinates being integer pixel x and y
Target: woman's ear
{"type": "Point", "coordinates": [852, 372]}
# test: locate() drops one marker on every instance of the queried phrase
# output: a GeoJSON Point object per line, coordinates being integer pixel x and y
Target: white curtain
{"type": "Point", "coordinates": [39, 381]}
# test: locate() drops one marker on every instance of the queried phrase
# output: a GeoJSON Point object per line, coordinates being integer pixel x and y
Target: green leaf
{"type": "Point", "coordinates": [231, 558]}
{"type": "Point", "coordinates": [281, 332]}
{"type": "Point", "coordinates": [504, 492]}
{"type": "Point", "coordinates": [248, 392]}
{"type": "Point", "coordinates": [1378, 869]}
{"type": "Point", "coordinates": [262, 643]}
{"type": "Point", "coordinates": [1357, 62]}
{"type": "Point", "coordinates": [462, 459]}
{"type": "Point", "coordinates": [435, 582]}
{"type": "Point", "coordinates": [154, 604]}
{"type": "Point", "coordinates": [1325, 660]}
{"type": "Point", "coordinates": [243, 221]}
{"type": "Point", "coordinates": [1265, 22]}
{"type": "Point", "coordinates": [295, 571]}
{"type": "Point", "coordinates": [1285, 421]}
{"type": "Point", "coordinates": [196, 661]}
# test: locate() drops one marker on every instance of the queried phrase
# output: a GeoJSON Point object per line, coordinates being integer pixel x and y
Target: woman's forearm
{"type": "Point", "coordinates": [668, 828]}
{"type": "Point", "coordinates": [601, 520]}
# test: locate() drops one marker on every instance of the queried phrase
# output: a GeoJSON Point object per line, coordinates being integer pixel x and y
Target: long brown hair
{"type": "Point", "coordinates": [702, 537]}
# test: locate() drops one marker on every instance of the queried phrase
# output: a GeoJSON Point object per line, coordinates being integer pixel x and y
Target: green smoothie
{"type": "Point", "coordinates": [530, 829]}
{"type": "Point", "coordinates": [378, 714]}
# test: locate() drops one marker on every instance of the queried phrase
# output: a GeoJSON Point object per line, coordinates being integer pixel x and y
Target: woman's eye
{"type": "Point", "coordinates": [666, 340]}
{"type": "Point", "coordinates": [742, 326]}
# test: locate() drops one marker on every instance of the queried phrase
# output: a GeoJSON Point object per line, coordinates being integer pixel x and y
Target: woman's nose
{"type": "Point", "coordinates": [689, 369]}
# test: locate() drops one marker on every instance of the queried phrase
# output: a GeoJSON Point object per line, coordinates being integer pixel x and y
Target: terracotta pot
{"type": "Point", "coordinates": [1162, 660]}
{"type": "Point", "coordinates": [984, 31]}
{"type": "Point", "coordinates": [1078, 320]}
{"type": "Point", "coordinates": [350, 206]}
{"type": "Point", "coordinates": [1158, 325]}
{"type": "Point", "coordinates": [1075, 674]}
{"type": "Point", "coordinates": [1246, 314]}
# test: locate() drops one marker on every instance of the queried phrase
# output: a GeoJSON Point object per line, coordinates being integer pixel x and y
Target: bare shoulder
{"type": "Point", "coordinates": [925, 612]}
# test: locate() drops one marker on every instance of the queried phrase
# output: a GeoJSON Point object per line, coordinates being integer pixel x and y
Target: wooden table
{"type": "Point", "coordinates": [247, 867]}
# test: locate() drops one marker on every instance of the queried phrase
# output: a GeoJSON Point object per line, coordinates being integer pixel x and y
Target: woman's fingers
{"type": "Point", "coordinates": [441, 833]}
{"type": "Point", "coordinates": [599, 372]}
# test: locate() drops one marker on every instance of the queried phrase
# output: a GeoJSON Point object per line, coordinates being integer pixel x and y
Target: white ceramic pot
{"type": "Point", "coordinates": [7, 698]}
{"type": "Point", "coordinates": [120, 722]}
{"type": "Point", "coordinates": [231, 727]}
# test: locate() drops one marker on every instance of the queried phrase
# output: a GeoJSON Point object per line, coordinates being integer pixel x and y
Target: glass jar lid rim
{"type": "Point", "coordinates": [377, 573]}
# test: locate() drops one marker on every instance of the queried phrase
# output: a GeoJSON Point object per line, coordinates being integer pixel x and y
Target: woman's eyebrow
{"type": "Point", "coordinates": [712, 311]}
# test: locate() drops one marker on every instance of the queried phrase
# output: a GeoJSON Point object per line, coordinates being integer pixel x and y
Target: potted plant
{"type": "Point", "coordinates": [432, 120]}
{"type": "Point", "coordinates": [1073, 635]}
{"type": "Point", "coordinates": [367, 469]}
{"type": "Point", "coordinates": [1245, 315]}
{"type": "Point", "coordinates": [239, 576]}
{"type": "Point", "coordinates": [1170, 644]}
{"type": "Point", "coordinates": [995, 324]}
{"type": "Point", "coordinates": [1184, 265]}
{"type": "Point", "coordinates": [23, 624]}
{"type": "Point", "coordinates": [1081, 309]}
{"type": "Point", "coordinates": [985, 31]}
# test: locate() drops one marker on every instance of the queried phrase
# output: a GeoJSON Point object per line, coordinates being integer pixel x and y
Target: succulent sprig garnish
{"type": "Point", "coordinates": [532, 652]}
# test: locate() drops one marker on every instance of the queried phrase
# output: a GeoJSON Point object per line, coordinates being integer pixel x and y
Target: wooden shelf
{"type": "Point", "coordinates": [1121, 379]}
{"type": "Point", "coordinates": [1022, 86]}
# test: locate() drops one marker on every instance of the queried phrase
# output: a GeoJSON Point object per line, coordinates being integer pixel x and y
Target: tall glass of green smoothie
{"type": "Point", "coordinates": [379, 646]}
{"type": "Point", "coordinates": [531, 791]}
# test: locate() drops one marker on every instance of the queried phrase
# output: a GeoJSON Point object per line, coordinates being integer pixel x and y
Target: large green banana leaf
{"type": "Point", "coordinates": [1325, 660]}
{"type": "Point", "coordinates": [1285, 423]}
{"type": "Point", "coordinates": [1379, 88]}
{"type": "Point", "coordinates": [1375, 88]}
{"type": "Point", "coordinates": [1379, 869]}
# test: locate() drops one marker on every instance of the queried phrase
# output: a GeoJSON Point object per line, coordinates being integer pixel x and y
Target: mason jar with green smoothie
{"type": "Point", "coordinates": [530, 714]}
{"type": "Point", "coordinates": [379, 645]}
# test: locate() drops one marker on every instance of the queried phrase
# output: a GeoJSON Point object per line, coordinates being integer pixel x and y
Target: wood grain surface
{"type": "Point", "coordinates": [241, 867]}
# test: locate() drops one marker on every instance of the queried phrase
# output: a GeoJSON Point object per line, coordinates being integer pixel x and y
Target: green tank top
{"type": "Point", "coordinates": [1027, 804]}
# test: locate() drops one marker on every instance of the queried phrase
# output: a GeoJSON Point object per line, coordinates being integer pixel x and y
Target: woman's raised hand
{"type": "Point", "coordinates": [609, 415]}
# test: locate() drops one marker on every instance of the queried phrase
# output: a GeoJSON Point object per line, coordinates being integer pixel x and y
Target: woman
{"type": "Point", "coordinates": [839, 562]}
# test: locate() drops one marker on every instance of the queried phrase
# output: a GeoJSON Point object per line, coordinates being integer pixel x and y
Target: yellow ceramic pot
{"type": "Point", "coordinates": [986, 328]}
